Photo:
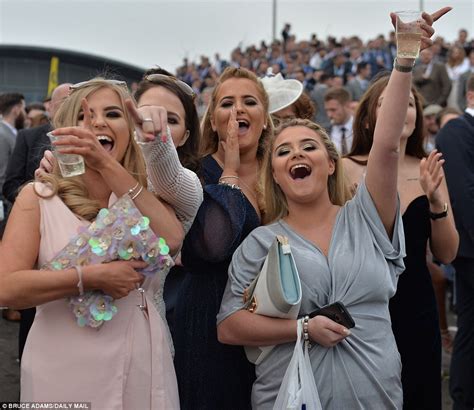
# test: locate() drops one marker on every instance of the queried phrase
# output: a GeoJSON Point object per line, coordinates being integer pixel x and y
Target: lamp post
{"type": "Point", "coordinates": [422, 6]}
{"type": "Point", "coordinates": [274, 14]}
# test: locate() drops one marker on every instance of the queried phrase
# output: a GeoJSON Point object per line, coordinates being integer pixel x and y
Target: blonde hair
{"type": "Point", "coordinates": [73, 190]}
{"type": "Point", "coordinates": [276, 205]}
{"type": "Point", "coordinates": [209, 138]}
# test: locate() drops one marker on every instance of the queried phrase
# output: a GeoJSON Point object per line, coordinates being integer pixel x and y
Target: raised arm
{"type": "Point", "coordinates": [382, 166]}
{"type": "Point", "coordinates": [178, 186]}
{"type": "Point", "coordinates": [444, 239]}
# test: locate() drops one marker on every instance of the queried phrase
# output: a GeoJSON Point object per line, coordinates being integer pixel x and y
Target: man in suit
{"type": "Point", "coordinates": [456, 141]}
{"type": "Point", "coordinates": [12, 110]}
{"type": "Point", "coordinates": [432, 79]}
{"type": "Point", "coordinates": [13, 115]}
{"type": "Point", "coordinates": [29, 149]}
{"type": "Point", "coordinates": [338, 109]}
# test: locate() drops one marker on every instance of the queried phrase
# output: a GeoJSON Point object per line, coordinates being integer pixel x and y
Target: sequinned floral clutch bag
{"type": "Point", "coordinates": [120, 232]}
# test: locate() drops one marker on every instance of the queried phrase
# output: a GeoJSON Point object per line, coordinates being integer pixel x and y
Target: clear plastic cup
{"type": "Point", "coordinates": [70, 165]}
{"type": "Point", "coordinates": [408, 31]}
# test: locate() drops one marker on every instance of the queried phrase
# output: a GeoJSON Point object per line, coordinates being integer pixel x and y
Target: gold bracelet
{"type": "Point", "coordinates": [138, 193]}
{"type": "Point", "coordinates": [132, 189]}
{"type": "Point", "coordinates": [228, 176]}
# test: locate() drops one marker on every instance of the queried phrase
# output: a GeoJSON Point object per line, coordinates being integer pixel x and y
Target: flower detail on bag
{"type": "Point", "coordinates": [120, 232]}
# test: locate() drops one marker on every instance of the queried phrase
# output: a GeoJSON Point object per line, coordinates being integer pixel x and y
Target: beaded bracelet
{"type": "Point", "coordinates": [79, 285]}
{"type": "Point", "coordinates": [233, 186]}
{"type": "Point", "coordinates": [305, 330]}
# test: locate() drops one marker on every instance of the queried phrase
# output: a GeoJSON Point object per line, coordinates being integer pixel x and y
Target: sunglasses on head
{"type": "Point", "coordinates": [89, 82]}
{"type": "Point", "coordinates": [157, 78]}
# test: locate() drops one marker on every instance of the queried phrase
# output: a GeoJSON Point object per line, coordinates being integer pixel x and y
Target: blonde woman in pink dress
{"type": "Point", "coordinates": [125, 363]}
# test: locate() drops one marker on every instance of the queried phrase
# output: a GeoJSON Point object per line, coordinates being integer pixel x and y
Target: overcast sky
{"type": "Point", "coordinates": [150, 32]}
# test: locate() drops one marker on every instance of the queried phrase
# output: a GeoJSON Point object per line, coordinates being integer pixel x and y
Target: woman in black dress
{"type": "Point", "coordinates": [212, 375]}
{"type": "Point", "coordinates": [423, 201]}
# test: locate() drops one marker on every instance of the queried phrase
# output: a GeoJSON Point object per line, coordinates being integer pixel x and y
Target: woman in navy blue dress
{"type": "Point", "coordinates": [212, 375]}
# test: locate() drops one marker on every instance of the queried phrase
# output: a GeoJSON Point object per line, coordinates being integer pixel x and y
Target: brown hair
{"type": "Point", "coordinates": [339, 94]}
{"type": "Point", "coordinates": [210, 139]}
{"type": "Point", "coordinates": [276, 205]}
{"type": "Point", "coordinates": [366, 116]}
{"type": "Point", "coordinates": [73, 191]}
{"type": "Point", "coordinates": [188, 153]}
{"type": "Point", "coordinates": [304, 107]}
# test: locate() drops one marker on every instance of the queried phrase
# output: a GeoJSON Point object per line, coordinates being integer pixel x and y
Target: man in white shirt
{"type": "Point", "coordinates": [337, 105]}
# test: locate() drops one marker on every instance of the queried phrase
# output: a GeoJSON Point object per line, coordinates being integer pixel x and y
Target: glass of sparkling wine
{"type": "Point", "coordinates": [70, 165]}
{"type": "Point", "coordinates": [408, 34]}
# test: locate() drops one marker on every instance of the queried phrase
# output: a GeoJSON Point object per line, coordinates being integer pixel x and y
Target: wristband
{"type": "Point", "coordinates": [402, 68]}
{"type": "Point", "coordinates": [443, 214]}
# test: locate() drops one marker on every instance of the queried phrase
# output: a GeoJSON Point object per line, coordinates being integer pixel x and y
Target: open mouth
{"type": "Point", "coordinates": [300, 171]}
{"type": "Point", "coordinates": [106, 142]}
{"type": "Point", "coordinates": [243, 126]}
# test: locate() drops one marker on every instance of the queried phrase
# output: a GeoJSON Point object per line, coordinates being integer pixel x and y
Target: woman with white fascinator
{"type": "Point", "coordinates": [287, 98]}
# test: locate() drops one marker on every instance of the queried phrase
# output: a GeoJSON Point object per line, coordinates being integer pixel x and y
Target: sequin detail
{"type": "Point", "coordinates": [120, 232]}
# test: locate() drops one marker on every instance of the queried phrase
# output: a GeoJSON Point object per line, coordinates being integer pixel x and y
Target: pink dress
{"type": "Point", "coordinates": [125, 364]}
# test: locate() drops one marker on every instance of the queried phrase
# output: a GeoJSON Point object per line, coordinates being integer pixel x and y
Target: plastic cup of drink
{"type": "Point", "coordinates": [70, 165]}
{"type": "Point", "coordinates": [408, 33]}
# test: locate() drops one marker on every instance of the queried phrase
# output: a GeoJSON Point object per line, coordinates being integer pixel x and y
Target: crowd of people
{"type": "Point", "coordinates": [133, 280]}
{"type": "Point", "coordinates": [440, 73]}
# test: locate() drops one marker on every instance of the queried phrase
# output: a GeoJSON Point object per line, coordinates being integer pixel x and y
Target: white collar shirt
{"type": "Point", "coordinates": [13, 129]}
{"type": "Point", "coordinates": [336, 135]}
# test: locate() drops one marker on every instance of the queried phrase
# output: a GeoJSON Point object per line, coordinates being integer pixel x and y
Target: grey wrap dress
{"type": "Point", "coordinates": [361, 270]}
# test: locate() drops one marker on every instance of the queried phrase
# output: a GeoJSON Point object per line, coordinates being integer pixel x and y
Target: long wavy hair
{"type": "Point", "coordinates": [73, 191]}
{"type": "Point", "coordinates": [210, 139]}
{"type": "Point", "coordinates": [363, 127]}
{"type": "Point", "coordinates": [276, 205]}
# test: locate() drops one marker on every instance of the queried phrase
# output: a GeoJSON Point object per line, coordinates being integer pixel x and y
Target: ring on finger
{"type": "Point", "coordinates": [147, 120]}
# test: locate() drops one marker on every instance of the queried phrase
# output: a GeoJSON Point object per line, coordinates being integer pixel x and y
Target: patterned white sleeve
{"type": "Point", "coordinates": [178, 186]}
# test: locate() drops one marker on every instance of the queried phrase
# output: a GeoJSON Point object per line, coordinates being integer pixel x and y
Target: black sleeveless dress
{"type": "Point", "coordinates": [414, 315]}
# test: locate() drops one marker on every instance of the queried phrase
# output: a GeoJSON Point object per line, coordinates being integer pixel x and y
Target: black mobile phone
{"type": "Point", "coordinates": [337, 312]}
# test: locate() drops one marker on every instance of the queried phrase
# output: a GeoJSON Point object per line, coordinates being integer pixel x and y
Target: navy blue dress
{"type": "Point", "coordinates": [211, 375]}
{"type": "Point", "coordinates": [414, 315]}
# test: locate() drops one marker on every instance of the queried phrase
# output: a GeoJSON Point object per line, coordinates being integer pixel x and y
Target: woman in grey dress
{"type": "Point", "coordinates": [348, 251]}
